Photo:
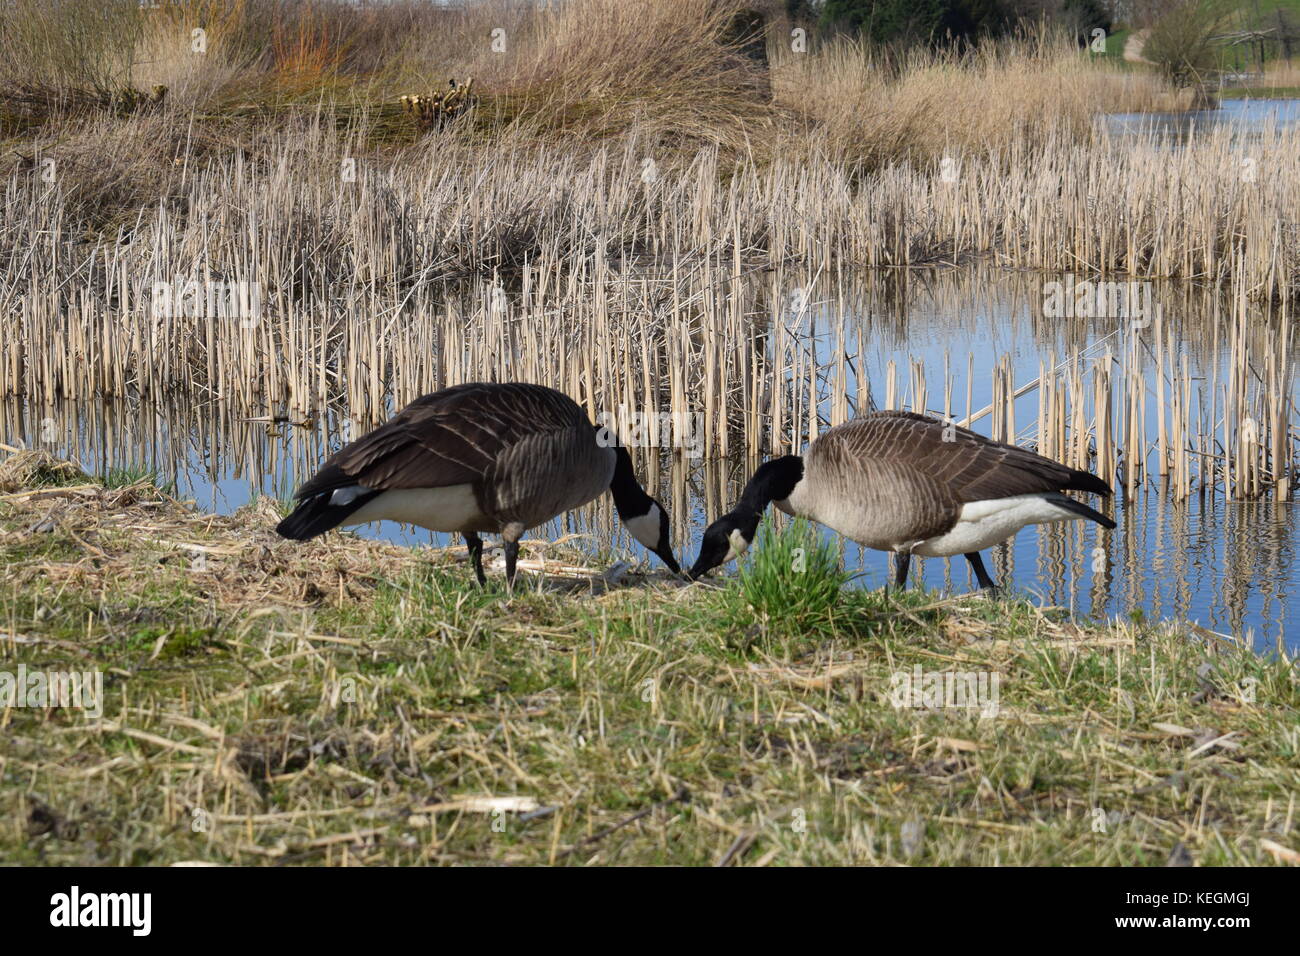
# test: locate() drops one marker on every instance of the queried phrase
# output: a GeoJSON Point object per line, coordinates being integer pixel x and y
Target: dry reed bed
{"type": "Point", "coordinates": [1214, 209]}
{"type": "Point", "coordinates": [1203, 399]}
{"type": "Point", "coordinates": [672, 290]}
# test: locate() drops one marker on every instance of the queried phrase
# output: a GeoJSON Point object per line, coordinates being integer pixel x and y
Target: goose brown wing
{"type": "Point", "coordinates": [967, 466]}
{"type": "Point", "coordinates": [450, 437]}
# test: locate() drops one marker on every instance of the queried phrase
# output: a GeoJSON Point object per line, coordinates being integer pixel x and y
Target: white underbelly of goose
{"type": "Point", "coordinates": [451, 508]}
{"type": "Point", "coordinates": [983, 524]}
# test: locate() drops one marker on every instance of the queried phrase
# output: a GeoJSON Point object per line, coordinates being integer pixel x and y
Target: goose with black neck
{"type": "Point", "coordinates": [908, 484]}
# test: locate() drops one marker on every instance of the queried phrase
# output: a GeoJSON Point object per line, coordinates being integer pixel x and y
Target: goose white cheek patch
{"type": "Point", "coordinates": [738, 546]}
{"type": "Point", "coordinates": [646, 527]}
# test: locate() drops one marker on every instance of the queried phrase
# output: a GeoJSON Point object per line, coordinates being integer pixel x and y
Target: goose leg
{"type": "Point", "coordinates": [982, 576]}
{"type": "Point", "coordinates": [512, 555]}
{"type": "Point", "coordinates": [902, 559]}
{"type": "Point", "coordinates": [475, 545]}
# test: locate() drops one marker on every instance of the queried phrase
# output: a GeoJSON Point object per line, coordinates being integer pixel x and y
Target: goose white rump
{"type": "Point", "coordinates": [982, 524]}
{"type": "Point", "coordinates": [451, 508]}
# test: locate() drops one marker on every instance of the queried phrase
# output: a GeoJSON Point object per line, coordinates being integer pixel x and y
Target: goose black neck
{"type": "Point", "coordinates": [629, 497]}
{"type": "Point", "coordinates": [773, 481]}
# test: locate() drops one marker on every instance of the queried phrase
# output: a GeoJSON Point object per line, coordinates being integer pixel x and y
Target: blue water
{"type": "Point", "coordinates": [1245, 117]}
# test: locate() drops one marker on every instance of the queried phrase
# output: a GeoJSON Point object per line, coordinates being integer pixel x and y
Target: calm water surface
{"type": "Point", "coordinates": [1246, 117]}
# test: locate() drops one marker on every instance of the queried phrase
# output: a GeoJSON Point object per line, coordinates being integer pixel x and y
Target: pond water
{"type": "Point", "coordinates": [1246, 117]}
{"type": "Point", "coordinates": [1227, 564]}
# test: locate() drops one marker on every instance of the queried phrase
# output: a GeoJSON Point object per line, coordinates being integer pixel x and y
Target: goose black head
{"type": "Point", "coordinates": [725, 540]}
{"type": "Point", "coordinates": [731, 535]}
{"type": "Point", "coordinates": [651, 529]}
{"type": "Point", "coordinates": [641, 514]}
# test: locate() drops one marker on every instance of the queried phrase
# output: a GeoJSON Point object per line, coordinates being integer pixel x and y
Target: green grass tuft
{"type": "Point", "coordinates": [128, 475]}
{"type": "Point", "coordinates": [793, 580]}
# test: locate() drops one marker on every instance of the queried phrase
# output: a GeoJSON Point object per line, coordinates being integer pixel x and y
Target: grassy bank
{"type": "Point", "coordinates": [349, 702]}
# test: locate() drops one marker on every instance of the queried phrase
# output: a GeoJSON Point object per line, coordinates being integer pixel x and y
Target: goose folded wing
{"type": "Point", "coordinates": [970, 466]}
{"type": "Point", "coordinates": [981, 470]}
{"type": "Point", "coordinates": [417, 449]}
{"type": "Point", "coordinates": [446, 438]}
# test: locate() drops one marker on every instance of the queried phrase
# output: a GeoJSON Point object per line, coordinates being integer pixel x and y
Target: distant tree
{"type": "Point", "coordinates": [1084, 16]}
{"type": "Point", "coordinates": [746, 34]}
{"type": "Point", "coordinates": [1287, 32]}
{"type": "Point", "coordinates": [929, 21]}
{"type": "Point", "coordinates": [1182, 42]}
{"type": "Point", "coordinates": [1079, 17]}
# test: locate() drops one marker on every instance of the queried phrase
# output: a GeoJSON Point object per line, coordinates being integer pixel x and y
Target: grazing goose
{"type": "Point", "coordinates": [906, 483]}
{"type": "Point", "coordinates": [475, 458]}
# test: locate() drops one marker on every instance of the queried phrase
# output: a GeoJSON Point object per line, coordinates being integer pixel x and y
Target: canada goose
{"type": "Point", "coordinates": [500, 458]}
{"type": "Point", "coordinates": [906, 483]}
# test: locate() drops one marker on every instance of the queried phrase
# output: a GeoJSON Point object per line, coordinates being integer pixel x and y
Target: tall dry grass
{"type": "Point", "coordinates": [878, 105]}
{"type": "Point", "coordinates": [61, 46]}
{"type": "Point", "coordinates": [599, 67]}
{"type": "Point", "coordinates": [1282, 73]}
{"type": "Point", "coordinates": [588, 65]}
{"type": "Point", "coordinates": [508, 262]}
{"type": "Point", "coordinates": [569, 70]}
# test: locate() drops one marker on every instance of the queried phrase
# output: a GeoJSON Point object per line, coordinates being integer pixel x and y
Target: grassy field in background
{"type": "Point", "coordinates": [1259, 92]}
{"type": "Point", "coordinates": [352, 702]}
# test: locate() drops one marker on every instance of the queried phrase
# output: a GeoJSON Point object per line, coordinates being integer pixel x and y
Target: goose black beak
{"type": "Point", "coordinates": [666, 556]}
{"type": "Point", "coordinates": [716, 549]}
{"type": "Point", "coordinates": [703, 565]}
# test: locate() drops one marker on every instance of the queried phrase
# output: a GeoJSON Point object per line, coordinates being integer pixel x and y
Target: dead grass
{"type": "Point", "coordinates": [875, 106]}
{"type": "Point", "coordinates": [568, 73]}
{"type": "Point", "coordinates": [1282, 73]}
